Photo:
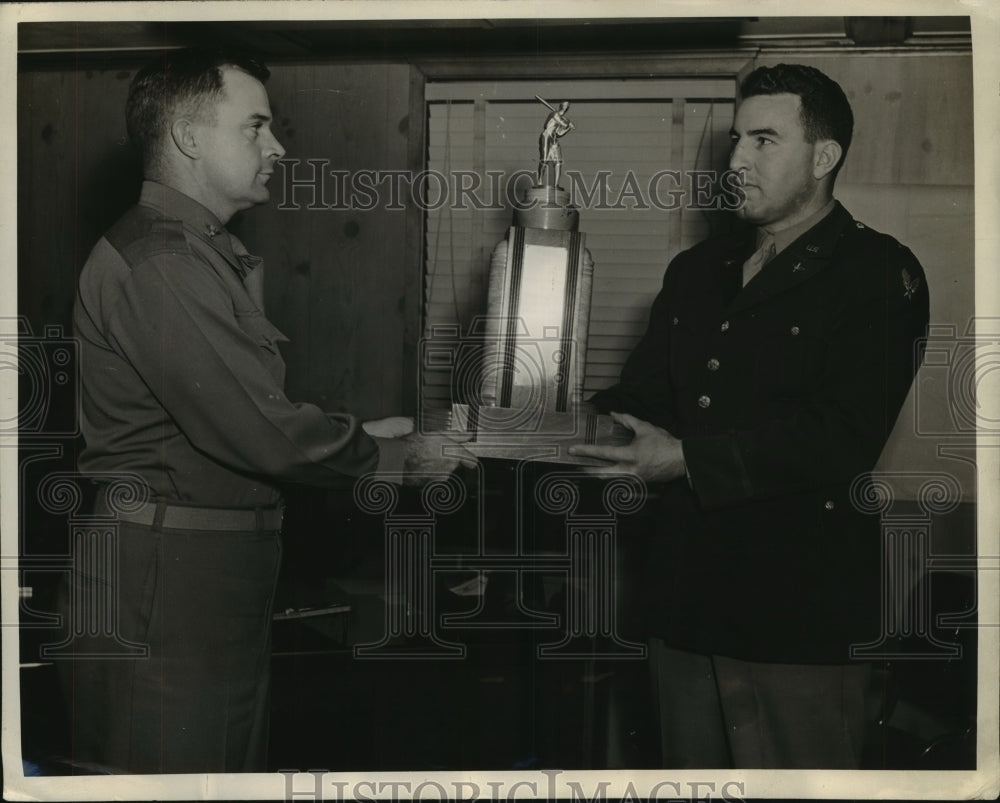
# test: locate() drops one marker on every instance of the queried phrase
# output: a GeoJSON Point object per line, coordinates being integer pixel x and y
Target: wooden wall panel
{"type": "Point", "coordinates": [913, 115]}
{"type": "Point", "coordinates": [75, 176]}
{"type": "Point", "coordinates": [336, 282]}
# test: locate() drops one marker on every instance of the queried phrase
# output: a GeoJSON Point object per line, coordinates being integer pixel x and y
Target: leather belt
{"type": "Point", "coordinates": [180, 517]}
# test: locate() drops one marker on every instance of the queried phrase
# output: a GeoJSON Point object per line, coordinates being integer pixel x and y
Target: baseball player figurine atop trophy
{"type": "Point", "coordinates": [550, 154]}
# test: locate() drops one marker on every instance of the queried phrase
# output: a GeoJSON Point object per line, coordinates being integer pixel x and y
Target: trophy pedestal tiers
{"type": "Point", "coordinates": [520, 433]}
{"type": "Point", "coordinates": [547, 207]}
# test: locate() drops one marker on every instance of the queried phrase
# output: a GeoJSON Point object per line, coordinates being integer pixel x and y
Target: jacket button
{"type": "Point", "coordinates": [724, 327]}
{"type": "Point", "coordinates": [829, 504]}
{"type": "Point", "coordinates": [713, 364]}
{"type": "Point", "coordinates": [704, 401]}
{"type": "Point", "coordinates": [675, 321]}
{"type": "Point", "coordinates": [795, 330]}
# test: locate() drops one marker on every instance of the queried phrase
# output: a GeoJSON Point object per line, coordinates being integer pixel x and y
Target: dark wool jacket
{"type": "Point", "coordinates": [783, 392]}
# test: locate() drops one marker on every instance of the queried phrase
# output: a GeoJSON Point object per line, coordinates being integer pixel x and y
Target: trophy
{"type": "Point", "coordinates": [532, 350]}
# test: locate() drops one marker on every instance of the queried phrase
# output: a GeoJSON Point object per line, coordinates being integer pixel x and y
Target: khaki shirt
{"type": "Point", "coordinates": [182, 379]}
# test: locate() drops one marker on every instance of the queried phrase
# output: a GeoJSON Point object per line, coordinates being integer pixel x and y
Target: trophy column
{"type": "Point", "coordinates": [533, 339]}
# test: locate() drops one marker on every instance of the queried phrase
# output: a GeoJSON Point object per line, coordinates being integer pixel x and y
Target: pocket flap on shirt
{"type": "Point", "coordinates": [260, 329]}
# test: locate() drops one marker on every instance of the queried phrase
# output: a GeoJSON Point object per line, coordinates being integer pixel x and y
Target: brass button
{"type": "Point", "coordinates": [713, 364]}
{"type": "Point", "coordinates": [676, 321]}
{"type": "Point", "coordinates": [724, 327]}
{"type": "Point", "coordinates": [704, 401]}
{"type": "Point", "coordinates": [829, 504]}
{"type": "Point", "coordinates": [795, 330]}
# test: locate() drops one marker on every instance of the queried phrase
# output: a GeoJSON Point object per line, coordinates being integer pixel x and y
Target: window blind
{"type": "Point", "coordinates": [483, 141]}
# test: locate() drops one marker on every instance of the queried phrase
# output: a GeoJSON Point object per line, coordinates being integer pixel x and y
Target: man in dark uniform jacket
{"type": "Point", "coordinates": [769, 379]}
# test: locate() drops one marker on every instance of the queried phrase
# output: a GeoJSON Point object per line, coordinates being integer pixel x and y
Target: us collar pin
{"type": "Point", "coordinates": [211, 230]}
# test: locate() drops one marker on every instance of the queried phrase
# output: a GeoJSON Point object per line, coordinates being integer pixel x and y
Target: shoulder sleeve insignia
{"type": "Point", "coordinates": [910, 284]}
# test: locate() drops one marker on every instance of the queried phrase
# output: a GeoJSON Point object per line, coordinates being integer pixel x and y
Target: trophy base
{"type": "Point", "coordinates": [511, 433]}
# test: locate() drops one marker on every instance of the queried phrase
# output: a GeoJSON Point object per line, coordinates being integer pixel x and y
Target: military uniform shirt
{"type": "Point", "coordinates": [182, 379]}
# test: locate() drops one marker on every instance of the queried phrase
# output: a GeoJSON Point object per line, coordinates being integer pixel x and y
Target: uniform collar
{"type": "Point", "coordinates": [196, 218]}
{"type": "Point", "coordinates": [785, 237]}
{"type": "Point", "coordinates": [803, 258]}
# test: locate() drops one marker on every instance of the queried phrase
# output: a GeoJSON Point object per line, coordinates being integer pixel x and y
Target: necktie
{"type": "Point", "coordinates": [758, 259]}
{"type": "Point", "coordinates": [253, 279]}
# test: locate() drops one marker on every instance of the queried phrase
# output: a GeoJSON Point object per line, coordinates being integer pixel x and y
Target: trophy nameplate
{"type": "Point", "coordinates": [544, 437]}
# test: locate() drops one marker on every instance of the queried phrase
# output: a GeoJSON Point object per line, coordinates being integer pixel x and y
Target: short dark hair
{"type": "Point", "coordinates": [825, 113]}
{"type": "Point", "coordinates": [191, 78]}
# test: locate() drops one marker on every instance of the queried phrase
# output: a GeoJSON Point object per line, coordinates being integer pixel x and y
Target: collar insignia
{"type": "Point", "coordinates": [212, 231]}
{"type": "Point", "coordinates": [910, 284]}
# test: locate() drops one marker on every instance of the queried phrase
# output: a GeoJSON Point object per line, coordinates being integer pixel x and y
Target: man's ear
{"type": "Point", "coordinates": [182, 131]}
{"type": "Point", "coordinates": [826, 154]}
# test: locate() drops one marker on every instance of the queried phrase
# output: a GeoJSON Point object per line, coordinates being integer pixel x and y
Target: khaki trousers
{"type": "Point", "coordinates": [201, 602]}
